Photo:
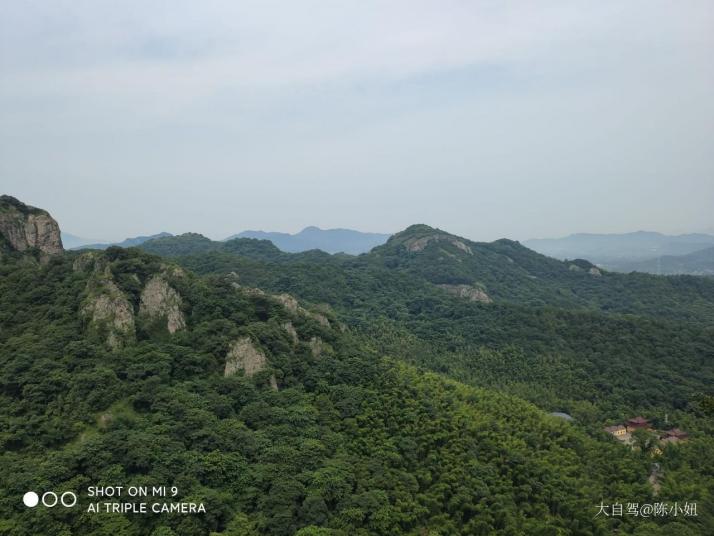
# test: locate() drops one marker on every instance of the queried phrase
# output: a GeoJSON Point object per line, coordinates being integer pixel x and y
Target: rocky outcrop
{"type": "Point", "coordinates": [243, 355]}
{"type": "Point", "coordinates": [24, 227]}
{"type": "Point", "coordinates": [110, 314]}
{"type": "Point", "coordinates": [85, 262]}
{"type": "Point", "coordinates": [318, 346]}
{"type": "Point", "coordinates": [95, 263]}
{"type": "Point", "coordinates": [580, 265]}
{"type": "Point", "coordinates": [171, 270]}
{"type": "Point", "coordinates": [320, 318]}
{"type": "Point", "coordinates": [468, 292]}
{"type": "Point", "coordinates": [288, 326]}
{"type": "Point", "coordinates": [292, 305]}
{"type": "Point", "coordinates": [414, 245]}
{"type": "Point", "coordinates": [251, 291]}
{"type": "Point", "coordinates": [159, 301]}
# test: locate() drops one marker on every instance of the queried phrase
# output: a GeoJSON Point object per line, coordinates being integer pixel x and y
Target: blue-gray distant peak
{"type": "Point", "coordinates": [328, 240]}
{"type": "Point", "coordinates": [127, 243]}
{"type": "Point", "coordinates": [71, 241]}
{"type": "Point", "coordinates": [611, 250]}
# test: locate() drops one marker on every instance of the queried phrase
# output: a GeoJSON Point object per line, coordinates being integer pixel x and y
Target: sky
{"type": "Point", "coordinates": [487, 119]}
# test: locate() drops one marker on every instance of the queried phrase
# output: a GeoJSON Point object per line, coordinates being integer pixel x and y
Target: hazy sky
{"type": "Point", "coordinates": [484, 118]}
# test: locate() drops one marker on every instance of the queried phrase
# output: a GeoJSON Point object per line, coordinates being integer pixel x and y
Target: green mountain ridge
{"type": "Point", "coordinates": [507, 271]}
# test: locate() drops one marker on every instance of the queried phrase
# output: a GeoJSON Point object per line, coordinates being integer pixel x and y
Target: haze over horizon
{"type": "Point", "coordinates": [485, 120]}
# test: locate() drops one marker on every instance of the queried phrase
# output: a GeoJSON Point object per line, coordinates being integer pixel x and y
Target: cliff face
{"type": "Point", "coordinates": [24, 227]}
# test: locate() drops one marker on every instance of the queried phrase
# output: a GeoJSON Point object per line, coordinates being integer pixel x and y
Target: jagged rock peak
{"type": "Point", "coordinates": [25, 227]}
{"type": "Point", "coordinates": [110, 313]}
{"type": "Point", "coordinates": [159, 301]}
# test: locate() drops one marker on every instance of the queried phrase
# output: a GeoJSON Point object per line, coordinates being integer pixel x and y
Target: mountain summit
{"type": "Point", "coordinates": [23, 228]}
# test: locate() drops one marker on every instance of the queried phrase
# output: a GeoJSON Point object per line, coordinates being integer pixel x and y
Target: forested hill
{"type": "Point", "coordinates": [118, 368]}
{"type": "Point", "coordinates": [503, 271]}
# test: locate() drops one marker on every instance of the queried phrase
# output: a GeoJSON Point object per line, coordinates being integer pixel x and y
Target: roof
{"type": "Point", "coordinates": [614, 428]}
{"type": "Point", "coordinates": [639, 420]}
{"type": "Point", "coordinates": [561, 415]}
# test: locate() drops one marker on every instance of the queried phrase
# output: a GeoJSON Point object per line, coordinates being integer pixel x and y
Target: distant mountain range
{"type": "Point", "coordinates": [698, 263]}
{"type": "Point", "coordinates": [627, 252]}
{"type": "Point", "coordinates": [70, 241]}
{"type": "Point", "coordinates": [328, 240]}
{"type": "Point", "coordinates": [127, 243]}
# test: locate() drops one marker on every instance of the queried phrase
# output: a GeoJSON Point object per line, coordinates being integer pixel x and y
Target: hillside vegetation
{"type": "Point", "coordinates": [346, 440]}
{"type": "Point", "coordinates": [560, 350]}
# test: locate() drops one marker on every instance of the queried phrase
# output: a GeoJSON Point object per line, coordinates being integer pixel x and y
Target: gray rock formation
{"type": "Point", "coordinates": [85, 262]}
{"type": "Point", "coordinates": [592, 270]}
{"type": "Point", "coordinates": [418, 244]}
{"type": "Point", "coordinates": [288, 326]}
{"type": "Point", "coordinates": [243, 355]}
{"type": "Point", "coordinates": [292, 305]}
{"type": "Point", "coordinates": [25, 227]}
{"type": "Point", "coordinates": [110, 313]}
{"type": "Point", "coordinates": [318, 346]}
{"type": "Point", "coordinates": [468, 292]}
{"type": "Point", "coordinates": [158, 301]}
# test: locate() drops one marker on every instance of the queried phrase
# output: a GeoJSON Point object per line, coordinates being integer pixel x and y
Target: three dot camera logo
{"type": "Point", "coordinates": [50, 499]}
